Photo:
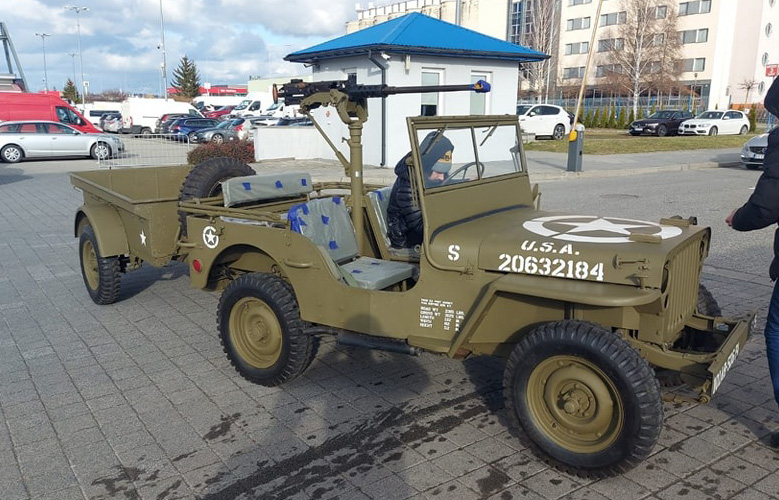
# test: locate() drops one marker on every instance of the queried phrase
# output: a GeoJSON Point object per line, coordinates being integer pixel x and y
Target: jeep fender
{"type": "Point", "coordinates": [108, 227]}
{"type": "Point", "coordinates": [522, 287]}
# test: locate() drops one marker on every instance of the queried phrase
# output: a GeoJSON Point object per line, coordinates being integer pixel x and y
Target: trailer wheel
{"type": "Point", "coordinates": [204, 180]}
{"type": "Point", "coordinates": [586, 399]}
{"type": "Point", "coordinates": [102, 275]}
{"type": "Point", "coordinates": [261, 330]}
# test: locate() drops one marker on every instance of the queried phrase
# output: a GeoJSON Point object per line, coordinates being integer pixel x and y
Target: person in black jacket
{"type": "Point", "coordinates": [404, 217]}
{"type": "Point", "coordinates": [762, 210]}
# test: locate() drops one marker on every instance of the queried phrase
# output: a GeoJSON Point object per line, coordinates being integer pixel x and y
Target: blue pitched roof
{"type": "Point", "coordinates": [417, 34]}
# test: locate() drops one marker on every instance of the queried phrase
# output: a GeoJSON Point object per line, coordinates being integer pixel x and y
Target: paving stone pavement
{"type": "Point", "coordinates": [136, 400]}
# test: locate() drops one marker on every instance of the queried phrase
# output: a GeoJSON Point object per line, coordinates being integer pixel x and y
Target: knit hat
{"type": "Point", "coordinates": [436, 155]}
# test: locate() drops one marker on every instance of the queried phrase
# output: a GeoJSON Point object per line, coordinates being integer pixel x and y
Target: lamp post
{"type": "Point", "coordinates": [78, 10]}
{"type": "Point", "coordinates": [161, 46]}
{"type": "Point", "coordinates": [45, 73]}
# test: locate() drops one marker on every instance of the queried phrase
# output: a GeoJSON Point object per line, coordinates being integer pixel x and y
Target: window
{"type": "Point", "coordinates": [695, 36]}
{"type": "Point", "coordinates": [697, 64]}
{"type": "Point", "coordinates": [696, 7]}
{"type": "Point", "coordinates": [761, 88]}
{"type": "Point", "coordinates": [479, 102]}
{"type": "Point", "coordinates": [661, 12]}
{"type": "Point", "coordinates": [613, 18]}
{"type": "Point", "coordinates": [579, 23]}
{"type": "Point", "coordinates": [610, 44]}
{"type": "Point", "coordinates": [28, 128]}
{"type": "Point", "coordinates": [577, 48]}
{"type": "Point", "coordinates": [655, 67]}
{"type": "Point", "coordinates": [607, 69]}
{"type": "Point", "coordinates": [769, 29]}
{"type": "Point", "coordinates": [578, 2]}
{"type": "Point", "coordinates": [764, 59]}
{"type": "Point", "coordinates": [659, 39]}
{"type": "Point", "coordinates": [53, 128]}
{"type": "Point", "coordinates": [430, 99]}
{"type": "Point", "coordinates": [569, 73]}
{"type": "Point", "coordinates": [66, 115]}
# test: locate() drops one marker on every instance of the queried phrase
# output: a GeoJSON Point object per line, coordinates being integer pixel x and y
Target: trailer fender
{"type": "Point", "coordinates": [108, 227]}
{"type": "Point", "coordinates": [587, 293]}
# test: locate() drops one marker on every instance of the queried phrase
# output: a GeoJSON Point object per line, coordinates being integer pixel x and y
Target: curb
{"type": "Point", "coordinates": [630, 171]}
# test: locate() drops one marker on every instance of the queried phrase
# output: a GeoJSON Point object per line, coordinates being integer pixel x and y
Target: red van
{"type": "Point", "coordinates": [29, 106]}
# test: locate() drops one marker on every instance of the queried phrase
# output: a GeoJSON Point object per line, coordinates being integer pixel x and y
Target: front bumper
{"type": "Point", "coordinates": [694, 131]}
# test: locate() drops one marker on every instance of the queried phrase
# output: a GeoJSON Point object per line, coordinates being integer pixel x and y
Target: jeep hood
{"type": "Point", "coordinates": [578, 247]}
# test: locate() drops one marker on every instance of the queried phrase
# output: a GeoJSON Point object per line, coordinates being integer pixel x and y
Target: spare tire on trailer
{"type": "Point", "coordinates": [205, 178]}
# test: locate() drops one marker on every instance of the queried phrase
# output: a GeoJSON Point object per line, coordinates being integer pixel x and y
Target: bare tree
{"type": "Point", "coordinates": [541, 33]}
{"type": "Point", "coordinates": [641, 48]}
{"type": "Point", "coordinates": [747, 85]}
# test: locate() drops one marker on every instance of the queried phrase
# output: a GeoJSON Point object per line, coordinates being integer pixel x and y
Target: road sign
{"type": "Point", "coordinates": [772, 70]}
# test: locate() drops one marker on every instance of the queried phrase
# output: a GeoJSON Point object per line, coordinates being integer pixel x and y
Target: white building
{"type": "Point", "coordinates": [726, 42]}
{"type": "Point", "coordinates": [411, 50]}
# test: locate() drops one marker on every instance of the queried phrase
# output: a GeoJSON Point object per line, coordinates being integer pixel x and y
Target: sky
{"type": "Point", "coordinates": [228, 40]}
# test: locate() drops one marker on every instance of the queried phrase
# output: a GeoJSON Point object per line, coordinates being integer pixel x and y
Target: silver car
{"type": "Point", "coordinates": [44, 139]}
{"type": "Point", "coordinates": [232, 129]}
{"type": "Point", "coordinates": [753, 152]}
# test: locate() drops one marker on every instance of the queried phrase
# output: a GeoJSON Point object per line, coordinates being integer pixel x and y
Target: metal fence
{"type": "Point", "coordinates": [149, 150]}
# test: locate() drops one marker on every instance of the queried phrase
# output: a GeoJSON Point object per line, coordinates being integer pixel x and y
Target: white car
{"type": "Point", "coordinates": [44, 139]}
{"type": "Point", "coordinates": [544, 120]}
{"type": "Point", "coordinates": [715, 123]}
{"type": "Point", "coordinates": [753, 152]}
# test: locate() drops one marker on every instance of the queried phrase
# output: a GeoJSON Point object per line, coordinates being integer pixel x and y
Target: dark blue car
{"type": "Point", "coordinates": [189, 126]}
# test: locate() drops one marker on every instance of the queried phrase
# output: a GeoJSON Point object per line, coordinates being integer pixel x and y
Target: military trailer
{"type": "Point", "coordinates": [585, 309]}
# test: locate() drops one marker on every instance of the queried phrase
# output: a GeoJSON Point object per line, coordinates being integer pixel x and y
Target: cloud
{"type": "Point", "coordinates": [229, 40]}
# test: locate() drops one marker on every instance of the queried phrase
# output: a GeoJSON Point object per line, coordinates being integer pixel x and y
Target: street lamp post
{"type": "Point", "coordinates": [162, 47]}
{"type": "Point", "coordinates": [78, 10]}
{"type": "Point", "coordinates": [45, 73]}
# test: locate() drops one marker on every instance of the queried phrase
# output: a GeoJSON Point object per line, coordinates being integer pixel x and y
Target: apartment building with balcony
{"type": "Point", "coordinates": [725, 43]}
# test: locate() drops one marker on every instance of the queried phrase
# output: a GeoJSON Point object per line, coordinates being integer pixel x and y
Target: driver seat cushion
{"type": "Point", "coordinates": [326, 222]}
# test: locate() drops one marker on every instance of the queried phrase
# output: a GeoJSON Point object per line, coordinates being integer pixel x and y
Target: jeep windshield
{"type": "Point", "coordinates": [456, 155]}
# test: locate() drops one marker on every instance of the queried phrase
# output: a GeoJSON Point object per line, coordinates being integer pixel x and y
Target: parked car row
{"type": "Point", "coordinates": [44, 139]}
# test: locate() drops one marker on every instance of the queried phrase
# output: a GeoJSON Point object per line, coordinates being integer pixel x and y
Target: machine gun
{"type": "Point", "coordinates": [297, 91]}
{"type": "Point", "coordinates": [350, 101]}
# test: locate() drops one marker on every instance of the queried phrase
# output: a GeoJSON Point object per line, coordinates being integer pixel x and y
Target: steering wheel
{"type": "Point", "coordinates": [462, 170]}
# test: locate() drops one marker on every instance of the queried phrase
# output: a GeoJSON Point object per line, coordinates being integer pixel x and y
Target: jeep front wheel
{"type": "Point", "coordinates": [586, 399]}
{"type": "Point", "coordinates": [261, 330]}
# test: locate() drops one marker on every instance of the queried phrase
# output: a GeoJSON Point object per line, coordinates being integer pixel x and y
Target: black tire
{"type": "Point", "coordinates": [192, 136]}
{"type": "Point", "coordinates": [752, 166]}
{"type": "Point", "coordinates": [744, 130]}
{"type": "Point", "coordinates": [634, 134]}
{"type": "Point", "coordinates": [146, 131]}
{"type": "Point", "coordinates": [11, 153]}
{"type": "Point", "coordinates": [707, 304]}
{"type": "Point", "coordinates": [261, 330]}
{"type": "Point", "coordinates": [662, 131]}
{"type": "Point", "coordinates": [713, 131]}
{"type": "Point", "coordinates": [217, 138]}
{"type": "Point", "coordinates": [204, 180]}
{"type": "Point", "coordinates": [559, 132]}
{"type": "Point", "coordinates": [102, 275]}
{"type": "Point", "coordinates": [100, 151]}
{"type": "Point", "coordinates": [586, 399]}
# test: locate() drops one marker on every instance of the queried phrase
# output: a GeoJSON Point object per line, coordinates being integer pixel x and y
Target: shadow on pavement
{"type": "Point", "coordinates": [9, 175]}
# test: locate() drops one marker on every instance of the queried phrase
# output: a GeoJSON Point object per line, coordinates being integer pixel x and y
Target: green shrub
{"type": "Point", "coordinates": [596, 118]}
{"type": "Point", "coordinates": [622, 118]}
{"type": "Point", "coordinates": [612, 123]}
{"type": "Point", "coordinates": [632, 117]}
{"type": "Point", "coordinates": [242, 151]}
{"type": "Point", "coordinates": [752, 119]}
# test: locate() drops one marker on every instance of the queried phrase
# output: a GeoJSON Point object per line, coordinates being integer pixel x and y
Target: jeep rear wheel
{"type": "Point", "coordinates": [586, 399]}
{"type": "Point", "coordinates": [261, 330]}
{"type": "Point", "coordinates": [102, 275]}
{"type": "Point", "coordinates": [205, 178]}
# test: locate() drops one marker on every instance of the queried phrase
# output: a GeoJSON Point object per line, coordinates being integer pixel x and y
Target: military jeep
{"type": "Point", "coordinates": [585, 309]}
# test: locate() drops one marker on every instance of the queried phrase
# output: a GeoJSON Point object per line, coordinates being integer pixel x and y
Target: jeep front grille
{"type": "Point", "coordinates": [680, 296]}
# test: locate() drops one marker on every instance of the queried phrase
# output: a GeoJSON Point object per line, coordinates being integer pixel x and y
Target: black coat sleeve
{"type": "Point", "coordinates": [762, 208]}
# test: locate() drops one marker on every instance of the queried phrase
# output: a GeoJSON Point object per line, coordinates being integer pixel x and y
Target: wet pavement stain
{"type": "Point", "coordinates": [222, 428]}
{"type": "Point", "coordinates": [356, 451]}
{"type": "Point", "coordinates": [183, 456]}
{"type": "Point", "coordinates": [121, 486]}
{"type": "Point", "coordinates": [169, 490]}
{"type": "Point", "coordinates": [494, 482]}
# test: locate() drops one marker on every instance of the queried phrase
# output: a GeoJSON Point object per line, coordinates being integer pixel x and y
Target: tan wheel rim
{"type": "Point", "coordinates": [89, 263]}
{"type": "Point", "coordinates": [575, 404]}
{"type": "Point", "coordinates": [255, 332]}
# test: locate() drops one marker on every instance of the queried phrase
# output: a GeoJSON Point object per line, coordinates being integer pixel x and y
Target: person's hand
{"type": "Point", "coordinates": [729, 218]}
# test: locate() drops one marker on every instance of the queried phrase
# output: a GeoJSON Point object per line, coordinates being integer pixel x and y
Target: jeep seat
{"type": "Point", "coordinates": [379, 203]}
{"type": "Point", "coordinates": [263, 187]}
{"type": "Point", "coordinates": [326, 222]}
